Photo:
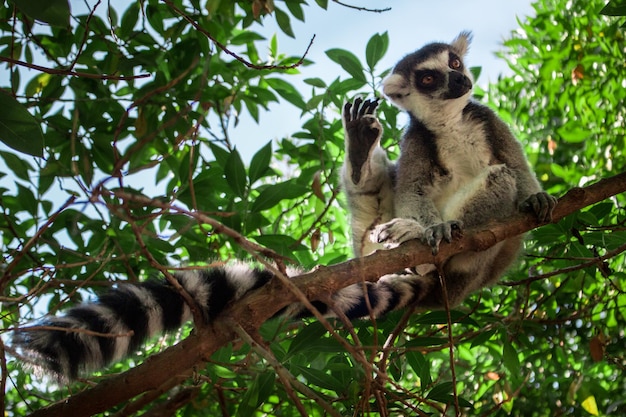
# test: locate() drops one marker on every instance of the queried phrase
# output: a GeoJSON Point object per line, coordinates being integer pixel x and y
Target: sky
{"type": "Point", "coordinates": [410, 24]}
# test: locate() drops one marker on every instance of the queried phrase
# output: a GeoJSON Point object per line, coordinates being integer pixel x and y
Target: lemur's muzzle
{"type": "Point", "coordinates": [458, 85]}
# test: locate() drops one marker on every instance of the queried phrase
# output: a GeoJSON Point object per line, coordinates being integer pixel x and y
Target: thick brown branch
{"type": "Point", "coordinates": [253, 310]}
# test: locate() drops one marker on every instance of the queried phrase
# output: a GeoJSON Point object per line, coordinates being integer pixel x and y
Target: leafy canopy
{"type": "Point", "coordinates": [118, 136]}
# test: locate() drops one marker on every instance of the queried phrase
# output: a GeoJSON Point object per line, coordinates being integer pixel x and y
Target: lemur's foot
{"type": "Point", "coordinates": [363, 131]}
{"type": "Point", "coordinates": [396, 231]}
{"type": "Point", "coordinates": [541, 204]}
{"type": "Point", "coordinates": [433, 235]}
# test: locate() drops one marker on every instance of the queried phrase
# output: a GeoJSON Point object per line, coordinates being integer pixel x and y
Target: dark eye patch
{"type": "Point", "coordinates": [428, 80]}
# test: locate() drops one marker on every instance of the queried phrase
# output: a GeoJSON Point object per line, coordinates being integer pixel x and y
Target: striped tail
{"type": "Point", "coordinates": [90, 336]}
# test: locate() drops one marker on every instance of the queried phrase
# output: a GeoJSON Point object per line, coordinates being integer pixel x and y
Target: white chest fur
{"type": "Point", "coordinates": [466, 155]}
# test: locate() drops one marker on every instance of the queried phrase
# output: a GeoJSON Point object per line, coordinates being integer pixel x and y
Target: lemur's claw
{"type": "Point", "coordinates": [433, 235]}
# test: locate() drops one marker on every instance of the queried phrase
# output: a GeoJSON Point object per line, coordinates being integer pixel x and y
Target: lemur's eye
{"type": "Point", "coordinates": [428, 79]}
{"type": "Point", "coordinates": [455, 63]}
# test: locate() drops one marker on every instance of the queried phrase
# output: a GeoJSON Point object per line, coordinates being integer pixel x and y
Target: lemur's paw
{"type": "Point", "coordinates": [396, 231]}
{"type": "Point", "coordinates": [363, 131]}
{"type": "Point", "coordinates": [541, 204]}
{"type": "Point", "coordinates": [433, 235]}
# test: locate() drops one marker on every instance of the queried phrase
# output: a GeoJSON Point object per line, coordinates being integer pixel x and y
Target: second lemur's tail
{"type": "Point", "coordinates": [90, 336]}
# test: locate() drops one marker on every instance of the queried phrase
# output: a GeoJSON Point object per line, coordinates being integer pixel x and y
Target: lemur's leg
{"type": "Point", "coordinates": [489, 196]}
{"type": "Point", "coordinates": [367, 174]}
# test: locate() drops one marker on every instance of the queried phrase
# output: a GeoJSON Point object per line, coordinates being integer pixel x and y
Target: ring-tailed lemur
{"type": "Point", "coordinates": [459, 165]}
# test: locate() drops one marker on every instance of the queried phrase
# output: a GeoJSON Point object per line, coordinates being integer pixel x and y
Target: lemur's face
{"type": "Point", "coordinates": [432, 79]}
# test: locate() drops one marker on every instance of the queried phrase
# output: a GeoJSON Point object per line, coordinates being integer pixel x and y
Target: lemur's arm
{"type": "Point", "coordinates": [367, 174]}
{"type": "Point", "coordinates": [530, 197]}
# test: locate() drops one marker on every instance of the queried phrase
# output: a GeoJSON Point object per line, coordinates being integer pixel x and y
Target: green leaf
{"type": "Point", "coordinates": [315, 82]}
{"type": "Point", "coordinates": [420, 366]}
{"type": "Point", "coordinates": [573, 132]}
{"type": "Point", "coordinates": [321, 378]}
{"type": "Point", "coordinates": [129, 20]}
{"type": "Point", "coordinates": [53, 12]}
{"type": "Point", "coordinates": [441, 317]}
{"type": "Point", "coordinates": [441, 392]}
{"type": "Point", "coordinates": [306, 337]}
{"type": "Point", "coordinates": [348, 61]}
{"type": "Point", "coordinates": [27, 199]}
{"type": "Point", "coordinates": [18, 128]}
{"type": "Point", "coordinates": [235, 174]}
{"type": "Point", "coordinates": [282, 244]}
{"type": "Point", "coordinates": [284, 23]}
{"type": "Point", "coordinates": [260, 162]}
{"type": "Point", "coordinates": [509, 356]}
{"type": "Point", "coordinates": [246, 37]}
{"type": "Point", "coordinates": [256, 394]}
{"type": "Point", "coordinates": [287, 91]}
{"type": "Point", "coordinates": [296, 9]}
{"type": "Point", "coordinates": [376, 49]}
{"type": "Point", "coordinates": [482, 337]}
{"type": "Point", "coordinates": [614, 8]}
{"type": "Point", "coordinates": [221, 155]}
{"type": "Point", "coordinates": [273, 194]}
{"type": "Point", "coordinates": [589, 405]}
{"type": "Point", "coordinates": [18, 166]}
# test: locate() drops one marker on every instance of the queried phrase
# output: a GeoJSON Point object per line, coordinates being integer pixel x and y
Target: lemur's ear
{"type": "Point", "coordinates": [460, 44]}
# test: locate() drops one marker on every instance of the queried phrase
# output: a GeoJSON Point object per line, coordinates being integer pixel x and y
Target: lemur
{"type": "Point", "coordinates": [459, 167]}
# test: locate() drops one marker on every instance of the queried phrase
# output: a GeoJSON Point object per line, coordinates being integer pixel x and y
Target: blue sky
{"type": "Point", "coordinates": [410, 24]}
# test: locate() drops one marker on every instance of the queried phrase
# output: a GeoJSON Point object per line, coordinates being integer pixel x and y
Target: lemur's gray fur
{"type": "Point", "coordinates": [459, 167]}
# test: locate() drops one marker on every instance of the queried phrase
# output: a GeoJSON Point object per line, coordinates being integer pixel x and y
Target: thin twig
{"type": "Point", "coordinates": [288, 380]}
{"type": "Point", "coordinates": [446, 303]}
{"type": "Point", "coordinates": [85, 35]}
{"type": "Point", "coordinates": [3, 376]}
{"type": "Point", "coordinates": [362, 9]}
{"type": "Point", "coordinates": [590, 262]}
{"type": "Point", "coordinates": [55, 71]}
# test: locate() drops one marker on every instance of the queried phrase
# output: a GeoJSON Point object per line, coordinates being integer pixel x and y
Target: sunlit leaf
{"type": "Point", "coordinates": [589, 405]}
{"type": "Point", "coordinates": [348, 61]}
{"type": "Point", "coordinates": [275, 193]}
{"type": "Point", "coordinates": [376, 48]}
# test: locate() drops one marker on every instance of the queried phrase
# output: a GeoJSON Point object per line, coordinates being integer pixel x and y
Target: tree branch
{"type": "Point", "coordinates": [56, 71]}
{"type": "Point", "coordinates": [261, 305]}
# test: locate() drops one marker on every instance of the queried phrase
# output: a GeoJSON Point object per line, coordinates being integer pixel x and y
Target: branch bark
{"type": "Point", "coordinates": [179, 360]}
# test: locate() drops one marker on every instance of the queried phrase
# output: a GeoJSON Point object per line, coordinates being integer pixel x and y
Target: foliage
{"type": "Point", "coordinates": [134, 105]}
